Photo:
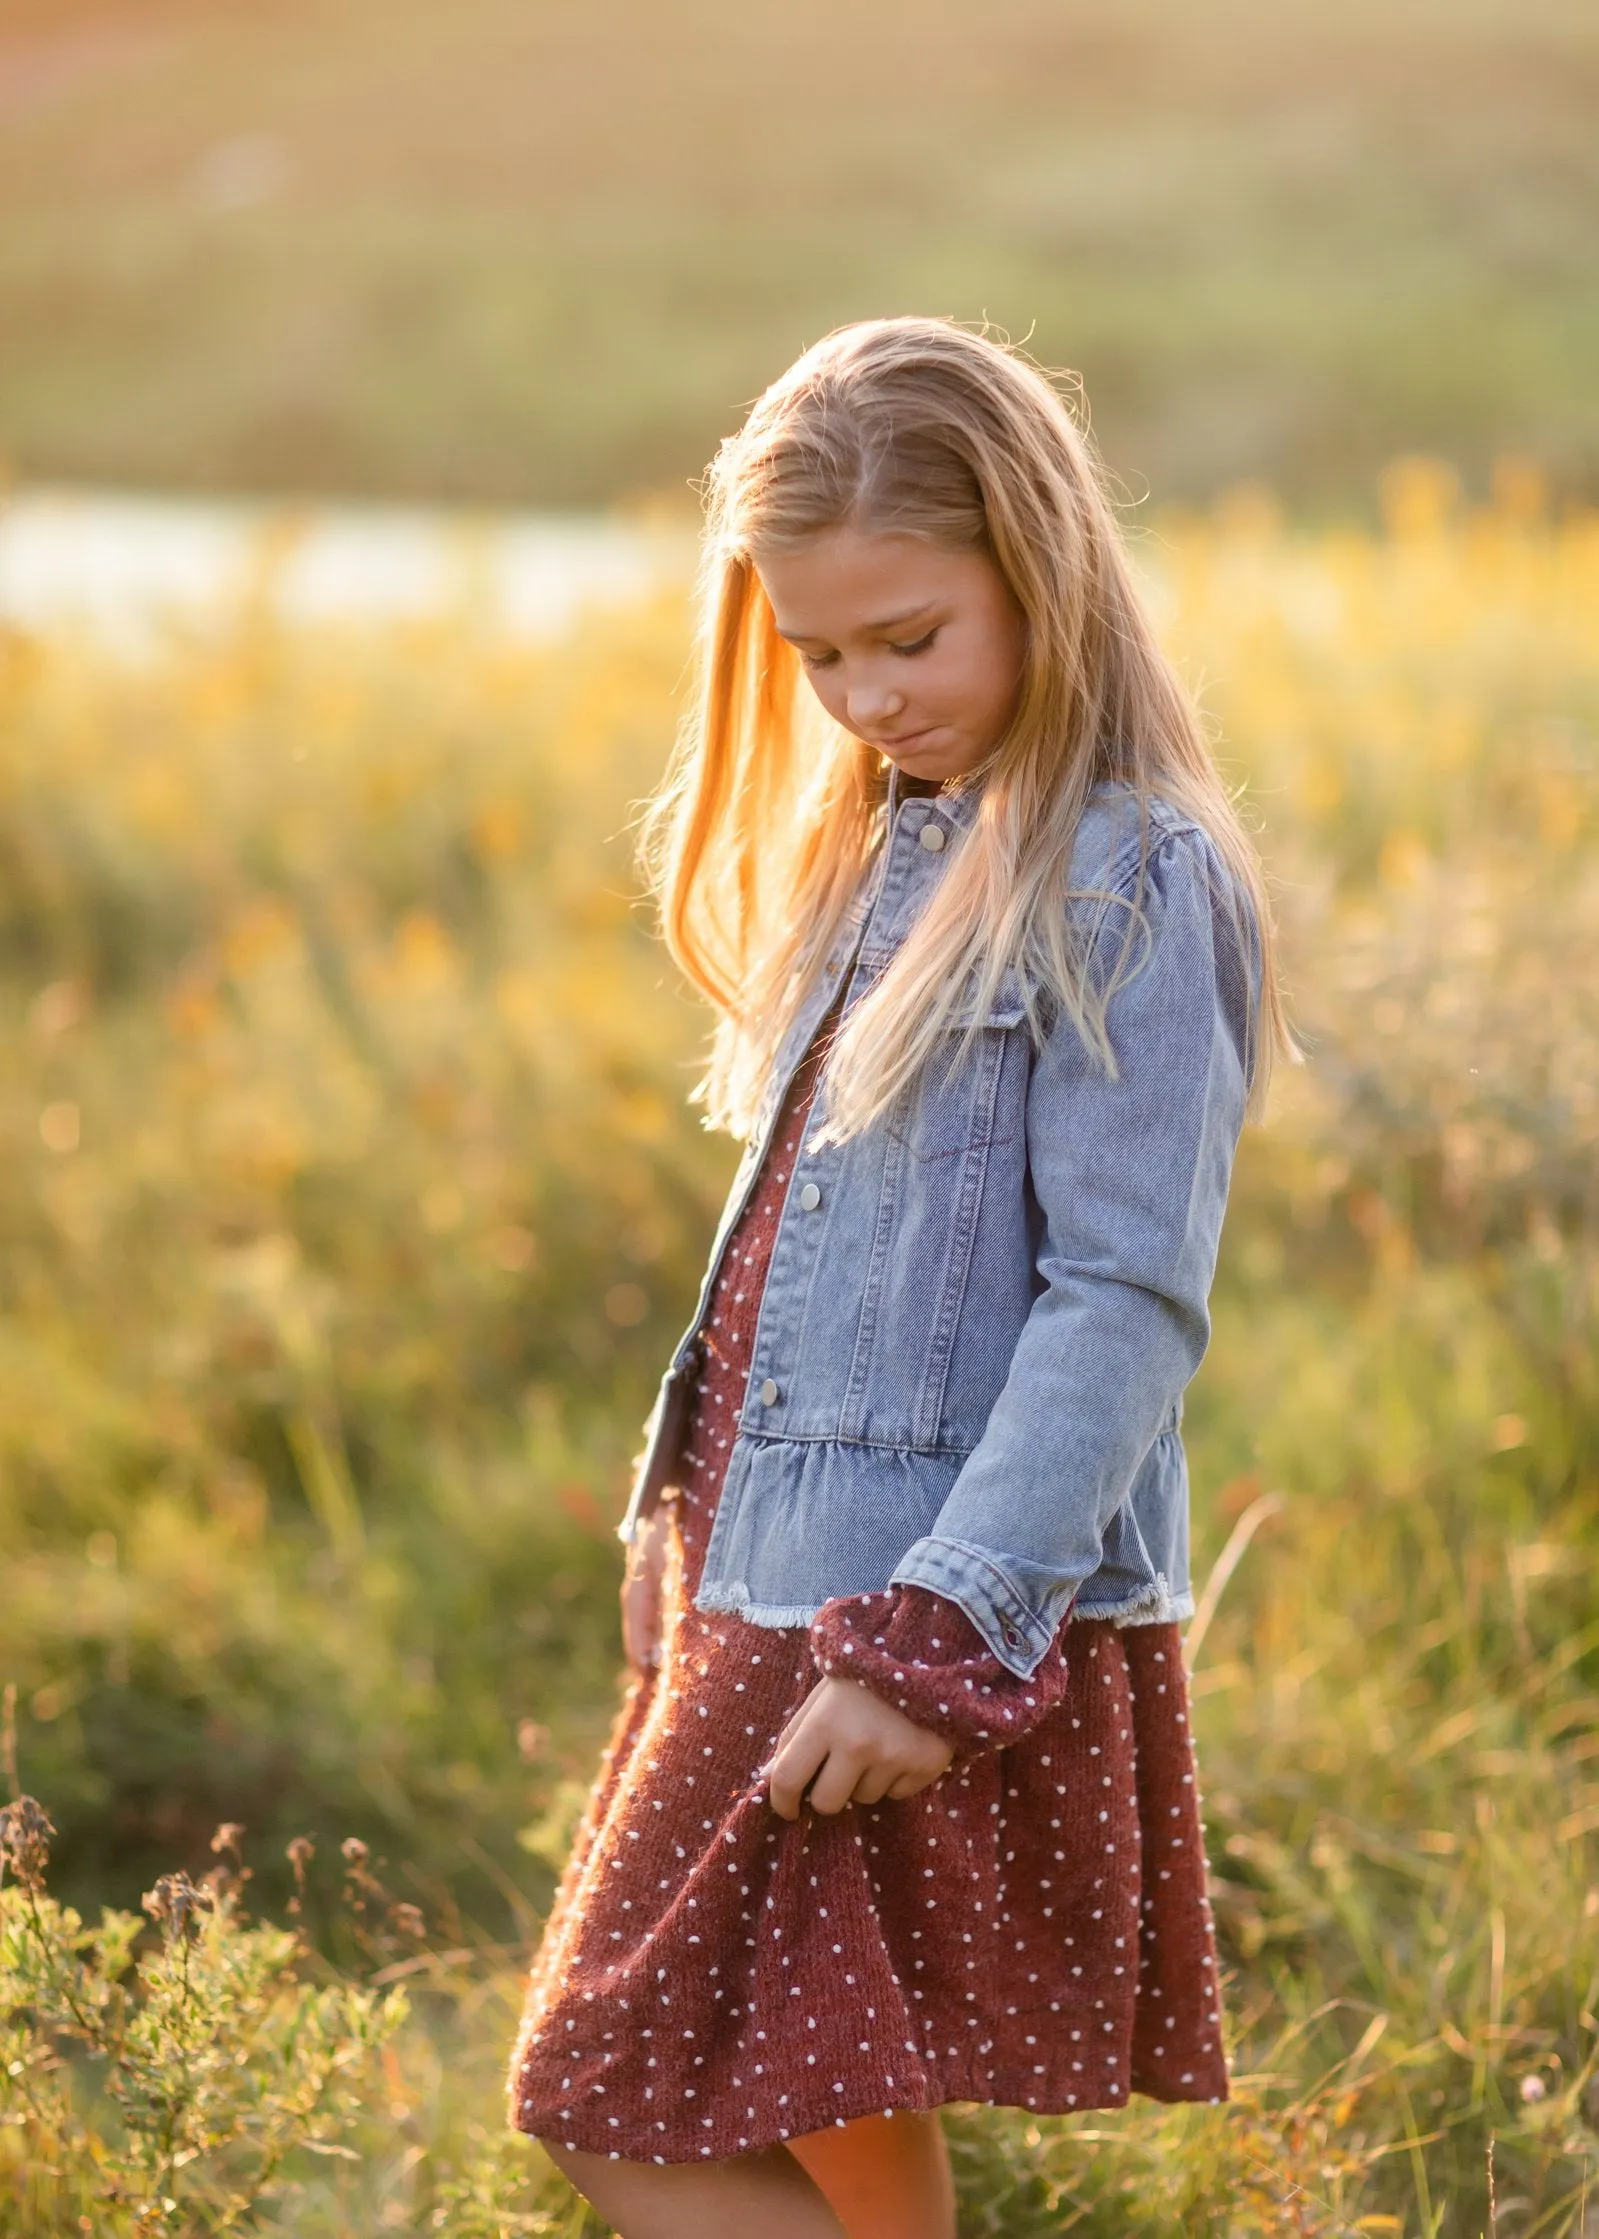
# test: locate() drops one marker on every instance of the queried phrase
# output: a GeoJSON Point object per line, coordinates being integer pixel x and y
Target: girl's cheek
{"type": "Point", "coordinates": [823, 685]}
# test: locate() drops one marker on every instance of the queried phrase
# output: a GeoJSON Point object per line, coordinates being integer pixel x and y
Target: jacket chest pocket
{"type": "Point", "coordinates": [956, 1104]}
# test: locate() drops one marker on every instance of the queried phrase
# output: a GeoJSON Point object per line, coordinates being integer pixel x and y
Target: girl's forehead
{"type": "Point", "coordinates": [865, 579]}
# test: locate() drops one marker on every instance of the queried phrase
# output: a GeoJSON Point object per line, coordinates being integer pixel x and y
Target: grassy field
{"type": "Point", "coordinates": [544, 252]}
{"type": "Point", "coordinates": [349, 1203]}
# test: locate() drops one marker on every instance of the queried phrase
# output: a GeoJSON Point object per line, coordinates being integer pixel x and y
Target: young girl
{"type": "Point", "coordinates": [879, 1828]}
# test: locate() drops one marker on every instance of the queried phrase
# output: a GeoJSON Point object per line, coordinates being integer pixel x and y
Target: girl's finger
{"type": "Point", "coordinates": [642, 1586]}
{"type": "Point", "coordinates": [792, 1768]}
{"type": "Point", "coordinates": [632, 1629]}
{"type": "Point", "coordinates": [835, 1784]}
{"type": "Point", "coordinates": [912, 1784]}
{"type": "Point", "coordinates": [796, 1720]}
{"type": "Point", "coordinates": [874, 1784]}
{"type": "Point", "coordinates": [641, 1621]}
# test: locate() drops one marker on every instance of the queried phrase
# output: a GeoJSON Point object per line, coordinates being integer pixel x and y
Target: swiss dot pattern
{"type": "Point", "coordinates": [1031, 1931]}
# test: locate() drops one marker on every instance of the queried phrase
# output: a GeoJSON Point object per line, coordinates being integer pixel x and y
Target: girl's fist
{"type": "Point", "coordinates": [850, 1747]}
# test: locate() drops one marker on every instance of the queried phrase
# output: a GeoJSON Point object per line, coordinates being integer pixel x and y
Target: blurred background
{"type": "Point", "coordinates": [355, 366]}
{"type": "Point", "coordinates": [541, 252]}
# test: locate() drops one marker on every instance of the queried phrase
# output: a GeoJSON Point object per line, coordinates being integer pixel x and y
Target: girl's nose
{"type": "Point", "coordinates": [872, 701]}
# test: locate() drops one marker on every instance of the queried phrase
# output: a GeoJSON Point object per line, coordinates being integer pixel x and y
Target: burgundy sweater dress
{"type": "Point", "coordinates": [1030, 1931]}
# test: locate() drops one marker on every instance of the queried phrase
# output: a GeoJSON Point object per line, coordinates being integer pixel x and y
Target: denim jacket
{"type": "Point", "coordinates": [980, 1316]}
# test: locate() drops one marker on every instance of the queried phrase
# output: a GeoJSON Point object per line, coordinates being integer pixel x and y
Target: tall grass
{"type": "Point", "coordinates": [350, 1202]}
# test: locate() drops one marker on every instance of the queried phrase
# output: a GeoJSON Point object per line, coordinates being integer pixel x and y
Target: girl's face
{"type": "Point", "coordinates": [915, 649]}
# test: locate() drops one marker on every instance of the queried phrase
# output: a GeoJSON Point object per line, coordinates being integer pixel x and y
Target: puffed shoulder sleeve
{"type": "Point", "coordinates": [1130, 1168]}
{"type": "Point", "coordinates": [925, 1656]}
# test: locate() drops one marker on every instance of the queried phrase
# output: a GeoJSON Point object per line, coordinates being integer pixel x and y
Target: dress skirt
{"type": "Point", "coordinates": [1030, 1931]}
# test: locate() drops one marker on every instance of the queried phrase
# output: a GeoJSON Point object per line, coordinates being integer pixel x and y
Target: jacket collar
{"type": "Point", "coordinates": [959, 807]}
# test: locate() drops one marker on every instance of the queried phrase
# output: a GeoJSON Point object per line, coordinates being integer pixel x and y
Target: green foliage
{"type": "Point", "coordinates": [205, 2075]}
{"type": "Point", "coordinates": [168, 2092]}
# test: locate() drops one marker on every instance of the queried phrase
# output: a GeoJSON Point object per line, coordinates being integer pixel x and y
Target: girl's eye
{"type": "Point", "coordinates": [814, 661]}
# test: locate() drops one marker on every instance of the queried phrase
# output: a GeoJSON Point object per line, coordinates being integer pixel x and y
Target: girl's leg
{"type": "Point", "coordinates": [885, 2176]}
{"type": "Point", "coordinates": [766, 2193]}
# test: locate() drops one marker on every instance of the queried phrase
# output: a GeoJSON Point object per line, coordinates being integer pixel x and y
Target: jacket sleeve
{"type": "Point", "coordinates": [926, 1657]}
{"type": "Point", "coordinates": [1130, 1171]}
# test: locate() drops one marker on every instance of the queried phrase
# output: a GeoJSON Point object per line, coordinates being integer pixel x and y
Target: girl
{"type": "Point", "coordinates": [878, 1828]}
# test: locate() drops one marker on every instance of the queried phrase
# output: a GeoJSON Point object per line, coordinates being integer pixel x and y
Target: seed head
{"type": "Point", "coordinates": [25, 1831]}
{"type": "Point", "coordinates": [173, 1901]}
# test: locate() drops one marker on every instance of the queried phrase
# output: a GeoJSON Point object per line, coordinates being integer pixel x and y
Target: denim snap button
{"type": "Point", "coordinates": [932, 837]}
{"type": "Point", "coordinates": [770, 1395]}
{"type": "Point", "coordinates": [810, 1197]}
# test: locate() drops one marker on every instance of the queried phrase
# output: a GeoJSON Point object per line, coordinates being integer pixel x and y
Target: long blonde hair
{"type": "Point", "coordinates": [766, 818]}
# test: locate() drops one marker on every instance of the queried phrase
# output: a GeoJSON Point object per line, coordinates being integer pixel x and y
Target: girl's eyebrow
{"type": "Point", "coordinates": [873, 629]}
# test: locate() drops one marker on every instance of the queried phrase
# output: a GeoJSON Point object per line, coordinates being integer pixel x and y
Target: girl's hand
{"type": "Point", "coordinates": [856, 1748]}
{"type": "Point", "coordinates": [641, 1589]}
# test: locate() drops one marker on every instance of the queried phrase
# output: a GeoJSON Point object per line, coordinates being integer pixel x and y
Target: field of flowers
{"type": "Point", "coordinates": [349, 1201]}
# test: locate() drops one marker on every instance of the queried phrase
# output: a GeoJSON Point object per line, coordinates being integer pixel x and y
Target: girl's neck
{"type": "Point", "coordinates": [918, 785]}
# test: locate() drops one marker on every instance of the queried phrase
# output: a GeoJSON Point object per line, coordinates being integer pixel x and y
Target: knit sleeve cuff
{"type": "Point", "coordinates": [924, 1655]}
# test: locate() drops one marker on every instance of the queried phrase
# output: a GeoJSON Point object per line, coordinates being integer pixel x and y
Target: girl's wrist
{"type": "Point", "coordinates": [923, 1656]}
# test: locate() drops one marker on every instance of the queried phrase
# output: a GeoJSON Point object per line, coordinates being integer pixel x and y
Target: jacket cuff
{"type": "Point", "coordinates": [1017, 1626]}
{"type": "Point", "coordinates": [924, 1655]}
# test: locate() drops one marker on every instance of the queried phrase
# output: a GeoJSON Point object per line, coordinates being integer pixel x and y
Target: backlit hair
{"type": "Point", "coordinates": [766, 818]}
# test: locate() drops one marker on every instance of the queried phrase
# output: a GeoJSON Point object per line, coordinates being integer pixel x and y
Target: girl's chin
{"type": "Point", "coordinates": [942, 761]}
{"type": "Point", "coordinates": [912, 754]}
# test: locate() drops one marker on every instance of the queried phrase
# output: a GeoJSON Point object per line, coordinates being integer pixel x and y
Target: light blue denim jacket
{"type": "Point", "coordinates": [976, 1328]}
